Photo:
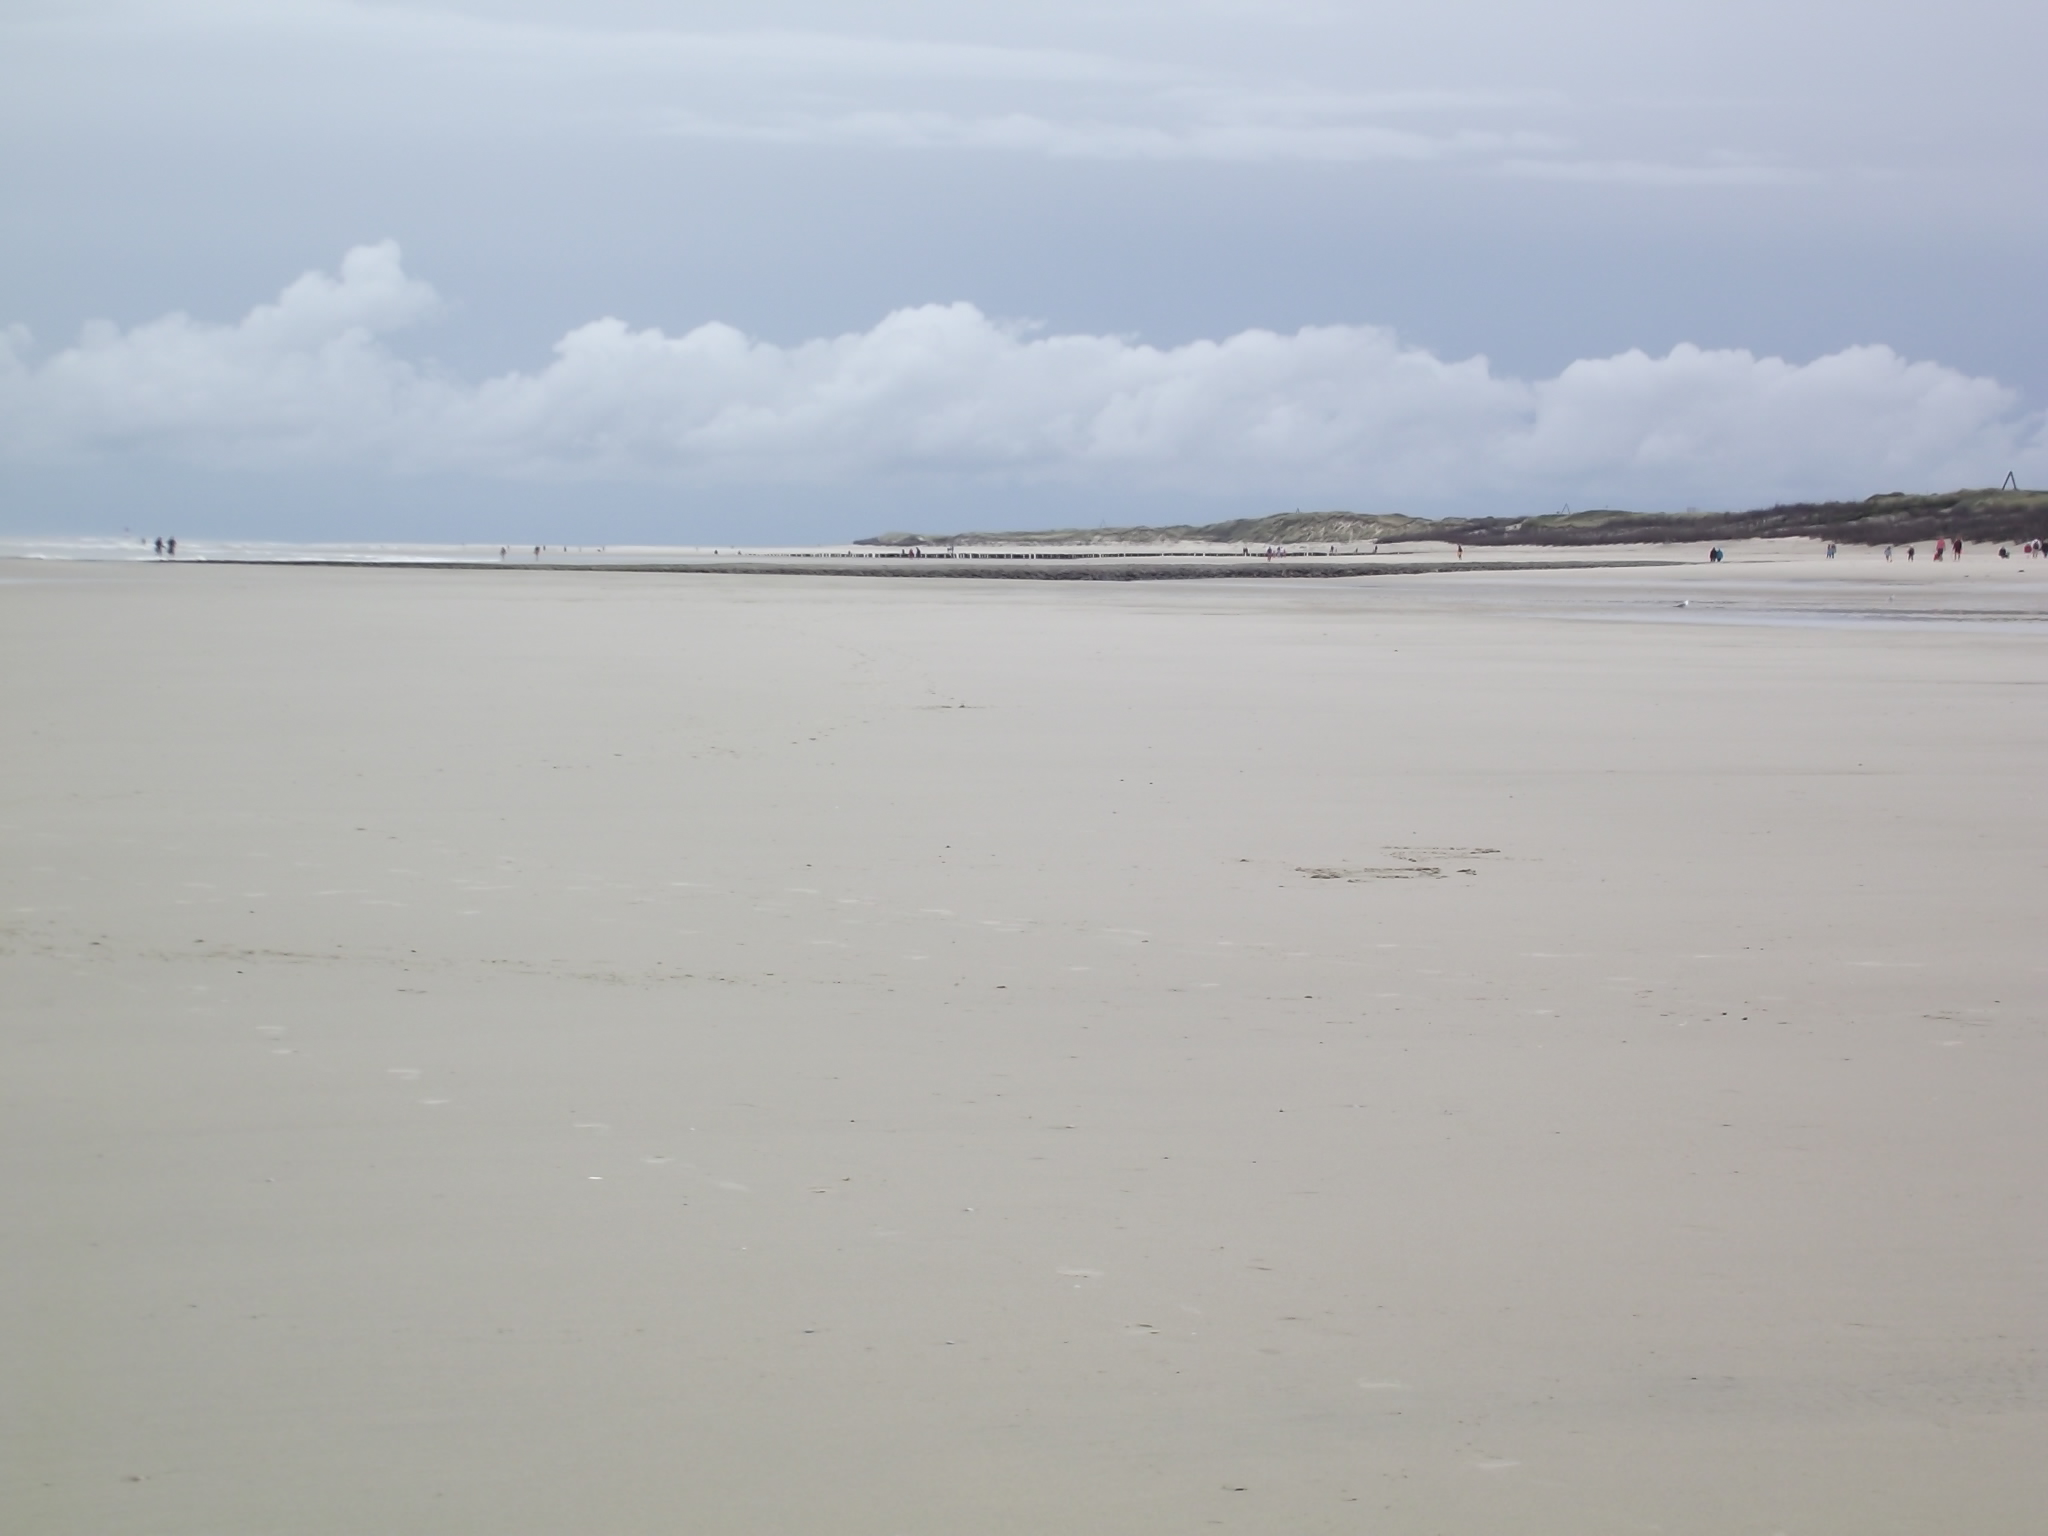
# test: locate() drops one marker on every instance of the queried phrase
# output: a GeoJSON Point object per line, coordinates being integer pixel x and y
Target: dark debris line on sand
{"type": "Point", "coordinates": [1024, 569]}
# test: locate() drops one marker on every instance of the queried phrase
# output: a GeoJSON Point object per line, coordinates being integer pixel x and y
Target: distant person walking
{"type": "Point", "coordinates": [171, 548]}
{"type": "Point", "coordinates": [159, 546]}
{"type": "Point", "coordinates": [1955, 547]}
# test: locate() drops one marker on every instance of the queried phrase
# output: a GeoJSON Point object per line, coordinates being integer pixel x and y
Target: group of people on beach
{"type": "Point", "coordinates": [167, 547]}
{"type": "Point", "coordinates": [1953, 549]}
{"type": "Point", "coordinates": [1944, 549]}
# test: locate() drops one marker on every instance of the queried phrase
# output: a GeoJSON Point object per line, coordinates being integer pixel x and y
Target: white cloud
{"type": "Point", "coordinates": [943, 393]}
{"type": "Point", "coordinates": [305, 379]}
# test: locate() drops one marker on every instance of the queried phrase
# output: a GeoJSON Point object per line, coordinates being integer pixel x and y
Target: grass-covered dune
{"type": "Point", "coordinates": [1896, 518]}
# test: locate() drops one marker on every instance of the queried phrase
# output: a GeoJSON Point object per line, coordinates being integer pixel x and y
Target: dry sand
{"type": "Point", "coordinates": [1486, 1053]}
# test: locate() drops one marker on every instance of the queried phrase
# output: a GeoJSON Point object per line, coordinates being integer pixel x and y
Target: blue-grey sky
{"type": "Point", "coordinates": [787, 271]}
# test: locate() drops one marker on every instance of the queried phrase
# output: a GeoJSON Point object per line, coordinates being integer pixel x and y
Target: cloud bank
{"type": "Point", "coordinates": [944, 395]}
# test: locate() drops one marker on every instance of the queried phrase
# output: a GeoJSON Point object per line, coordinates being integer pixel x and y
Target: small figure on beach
{"type": "Point", "coordinates": [1714, 555]}
{"type": "Point", "coordinates": [1940, 545]}
{"type": "Point", "coordinates": [159, 545]}
{"type": "Point", "coordinates": [1909, 550]}
{"type": "Point", "coordinates": [1831, 551]}
{"type": "Point", "coordinates": [1887, 552]}
{"type": "Point", "coordinates": [1955, 548]}
{"type": "Point", "coordinates": [171, 548]}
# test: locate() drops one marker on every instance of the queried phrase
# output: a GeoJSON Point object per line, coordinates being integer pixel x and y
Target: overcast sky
{"type": "Point", "coordinates": [788, 271]}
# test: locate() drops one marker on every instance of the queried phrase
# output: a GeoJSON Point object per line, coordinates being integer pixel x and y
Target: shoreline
{"type": "Point", "coordinates": [1097, 563]}
{"type": "Point", "coordinates": [1000, 568]}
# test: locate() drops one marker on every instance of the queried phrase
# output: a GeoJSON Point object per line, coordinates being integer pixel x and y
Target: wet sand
{"type": "Point", "coordinates": [1482, 1053]}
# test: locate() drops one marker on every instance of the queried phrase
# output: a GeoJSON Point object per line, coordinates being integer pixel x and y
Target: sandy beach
{"type": "Point", "coordinates": [601, 1052]}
